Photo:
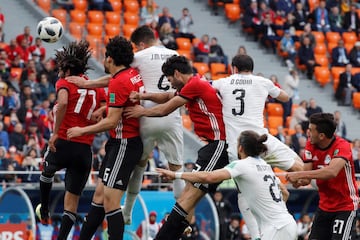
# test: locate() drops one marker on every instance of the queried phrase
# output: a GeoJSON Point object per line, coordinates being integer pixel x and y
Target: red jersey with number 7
{"type": "Point", "coordinates": [81, 104]}
{"type": "Point", "coordinates": [339, 193]}
{"type": "Point", "coordinates": [120, 86]}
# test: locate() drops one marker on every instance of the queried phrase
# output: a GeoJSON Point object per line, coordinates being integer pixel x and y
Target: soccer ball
{"type": "Point", "coordinates": [50, 29]}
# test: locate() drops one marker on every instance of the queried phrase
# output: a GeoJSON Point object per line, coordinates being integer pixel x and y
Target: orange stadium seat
{"type": "Point", "coordinates": [95, 16]}
{"type": "Point", "coordinates": [94, 29]}
{"type": "Point", "coordinates": [131, 18]}
{"type": "Point", "coordinates": [183, 43]}
{"type": "Point", "coordinates": [80, 5]}
{"type": "Point", "coordinates": [335, 74]}
{"type": "Point", "coordinates": [45, 5]}
{"type": "Point", "coordinates": [319, 37]}
{"type": "Point", "coordinates": [349, 37]}
{"type": "Point", "coordinates": [201, 67]}
{"type": "Point", "coordinates": [356, 100]}
{"type": "Point", "coordinates": [232, 12]}
{"type": "Point", "coordinates": [60, 14]}
{"type": "Point", "coordinates": [112, 17]}
{"type": "Point", "coordinates": [322, 60]}
{"type": "Point", "coordinates": [17, 71]}
{"type": "Point", "coordinates": [78, 17]}
{"type": "Point", "coordinates": [331, 46]}
{"type": "Point", "coordinates": [112, 30]}
{"type": "Point", "coordinates": [217, 70]}
{"type": "Point", "coordinates": [128, 29]}
{"type": "Point", "coordinates": [333, 37]}
{"type": "Point", "coordinates": [322, 75]}
{"type": "Point", "coordinates": [76, 30]}
{"type": "Point", "coordinates": [274, 122]}
{"type": "Point", "coordinates": [196, 41]}
{"type": "Point", "coordinates": [186, 53]}
{"type": "Point", "coordinates": [320, 49]}
{"type": "Point", "coordinates": [313, 4]}
{"type": "Point", "coordinates": [274, 109]}
{"type": "Point", "coordinates": [132, 6]}
{"type": "Point", "coordinates": [117, 6]}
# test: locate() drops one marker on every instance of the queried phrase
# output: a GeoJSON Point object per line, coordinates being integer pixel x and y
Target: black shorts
{"type": "Point", "coordinates": [76, 158]}
{"type": "Point", "coordinates": [332, 225]}
{"type": "Point", "coordinates": [120, 159]}
{"type": "Point", "coordinates": [212, 156]}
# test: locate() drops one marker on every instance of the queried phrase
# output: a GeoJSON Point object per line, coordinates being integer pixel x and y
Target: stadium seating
{"type": "Point", "coordinates": [274, 109]}
{"type": "Point", "coordinates": [356, 100]}
{"type": "Point", "coordinates": [183, 43]}
{"type": "Point", "coordinates": [131, 6]}
{"type": "Point", "coordinates": [76, 30]}
{"type": "Point", "coordinates": [95, 29]}
{"type": "Point", "coordinates": [322, 75]}
{"type": "Point", "coordinates": [60, 14]}
{"type": "Point", "coordinates": [45, 5]}
{"type": "Point", "coordinates": [218, 70]}
{"type": "Point", "coordinates": [81, 5]}
{"type": "Point", "coordinates": [201, 67]}
{"type": "Point", "coordinates": [116, 5]}
{"type": "Point", "coordinates": [112, 18]}
{"type": "Point", "coordinates": [112, 30]}
{"type": "Point", "coordinates": [232, 12]}
{"type": "Point", "coordinates": [131, 18]}
{"type": "Point", "coordinates": [78, 17]}
{"type": "Point", "coordinates": [95, 16]}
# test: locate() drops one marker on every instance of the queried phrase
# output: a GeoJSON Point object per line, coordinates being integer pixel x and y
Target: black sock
{"type": "Point", "coordinates": [175, 225]}
{"type": "Point", "coordinates": [45, 188]}
{"type": "Point", "coordinates": [116, 226]}
{"type": "Point", "coordinates": [67, 222]}
{"type": "Point", "coordinates": [92, 221]}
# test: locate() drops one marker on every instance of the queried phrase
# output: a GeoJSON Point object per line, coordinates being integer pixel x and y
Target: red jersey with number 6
{"type": "Point", "coordinates": [81, 104]}
{"type": "Point", "coordinates": [120, 86]}
{"type": "Point", "coordinates": [339, 193]}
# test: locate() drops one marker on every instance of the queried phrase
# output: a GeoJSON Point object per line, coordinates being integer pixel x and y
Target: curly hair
{"type": "Point", "coordinates": [179, 63]}
{"type": "Point", "coordinates": [324, 122]}
{"type": "Point", "coordinates": [120, 50]}
{"type": "Point", "coordinates": [74, 58]}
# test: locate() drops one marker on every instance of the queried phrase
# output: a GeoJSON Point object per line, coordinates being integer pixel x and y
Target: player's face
{"type": "Point", "coordinates": [176, 81]}
{"type": "Point", "coordinates": [106, 65]}
{"type": "Point", "coordinates": [313, 134]}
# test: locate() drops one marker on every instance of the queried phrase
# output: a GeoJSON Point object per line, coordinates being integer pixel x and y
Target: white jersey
{"type": "Point", "coordinates": [266, 202]}
{"type": "Point", "coordinates": [165, 131]}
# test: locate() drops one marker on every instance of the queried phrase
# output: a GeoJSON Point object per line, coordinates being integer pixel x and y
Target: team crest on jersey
{"type": "Point", "coordinates": [327, 159]}
{"type": "Point", "coordinates": [336, 152]}
{"type": "Point", "coordinates": [112, 98]}
{"type": "Point", "coordinates": [308, 154]}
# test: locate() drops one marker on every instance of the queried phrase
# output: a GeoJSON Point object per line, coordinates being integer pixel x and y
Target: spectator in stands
{"type": "Point", "coordinates": [45, 87]}
{"type": "Point", "coordinates": [184, 23]}
{"type": "Point", "coordinates": [25, 35]}
{"type": "Point", "coordinates": [356, 82]}
{"type": "Point", "coordinates": [18, 62]}
{"type": "Point", "coordinates": [307, 33]}
{"type": "Point", "coordinates": [30, 164]}
{"type": "Point", "coordinates": [281, 134]}
{"type": "Point", "coordinates": [27, 101]}
{"type": "Point", "coordinates": [166, 17]}
{"type": "Point", "coordinates": [4, 137]}
{"type": "Point", "coordinates": [216, 52]}
{"type": "Point", "coordinates": [194, 234]}
{"type": "Point", "coordinates": [13, 82]}
{"type": "Point", "coordinates": [233, 230]}
{"type": "Point", "coordinates": [275, 80]}
{"type": "Point", "coordinates": [224, 210]}
{"type": "Point", "coordinates": [339, 55]}
{"type": "Point", "coordinates": [3, 162]}
{"type": "Point", "coordinates": [4, 57]}
{"type": "Point", "coordinates": [352, 20]}
{"type": "Point", "coordinates": [49, 70]}
{"type": "Point", "coordinates": [2, 33]}
{"type": "Point", "coordinates": [336, 20]}
{"type": "Point", "coordinates": [30, 68]}
{"type": "Point", "coordinates": [38, 49]}
{"type": "Point", "coordinates": [284, 6]}
{"type": "Point", "coordinates": [13, 99]}
{"type": "Point", "coordinates": [203, 49]}
{"type": "Point", "coordinates": [252, 19]}
{"type": "Point", "coordinates": [290, 86]}
{"type": "Point", "coordinates": [4, 106]}
{"type": "Point", "coordinates": [355, 55]}
{"type": "Point", "coordinates": [313, 108]}
{"type": "Point", "coordinates": [340, 125]}
{"type": "Point", "coordinates": [304, 226]}
{"type": "Point", "coordinates": [12, 49]}
{"type": "Point", "coordinates": [154, 27]}
{"type": "Point", "coordinates": [34, 85]}
{"type": "Point", "coordinates": [345, 88]}
{"type": "Point", "coordinates": [307, 57]}
{"type": "Point", "coordinates": [167, 36]}
{"type": "Point", "coordinates": [66, 4]}
{"type": "Point", "coordinates": [269, 36]}
{"type": "Point", "coordinates": [242, 50]}
{"type": "Point", "coordinates": [299, 114]}
{"type": "Point", "coordinates": [149, 230]}
{"type": "Point", "coordinates": [24, 51]}
{"type": "Point", "coordinates": [296, 138]}
{"type": "Point", "coordinates": [101, 5]}
{"type": "Point", "coordinates": [4, 71]}
{"type": "Point", "coordinates": [356, 154]}
{"type": "Point", "coordinates": [17, 137]}
{"type": "Point", "coordinates": [13, 164]}
{"type": "Point", "coordinates": [287, 44]}
{"type": "Point", "coordinates": [300, 16]}
{"type": "Point", "coordinates": [322, 17]}
{"type": "Point", "coordinates": [148, 13]}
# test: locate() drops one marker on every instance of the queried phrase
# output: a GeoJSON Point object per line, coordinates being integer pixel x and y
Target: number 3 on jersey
{"type": "Point", "coordinates": [239, 97]}
{"type": "Point", "coordinates": [80, 102]}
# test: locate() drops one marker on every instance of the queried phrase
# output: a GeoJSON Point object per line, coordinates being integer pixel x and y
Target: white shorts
{"type": "Point", "coordinates": [287, 232]}
{"type": "Point", "coordinates": [278, 155]}
{"type": "Point", "coordinates": [167, 133]}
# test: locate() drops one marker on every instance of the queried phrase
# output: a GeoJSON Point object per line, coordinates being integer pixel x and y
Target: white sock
{"type": "Point", "coordinates": [248, 217]}
{"type": "Point", "coordinates": [133, 189]}
{"type": "Point", "coordinates": [178, 185]}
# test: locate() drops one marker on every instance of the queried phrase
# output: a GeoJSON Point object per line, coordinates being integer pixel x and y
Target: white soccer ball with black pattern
{"type": "Point", "coordinates": [50, 29]}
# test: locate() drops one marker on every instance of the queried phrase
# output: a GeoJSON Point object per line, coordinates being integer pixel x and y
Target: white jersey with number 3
{"type": "Point", "coordinates": [259, 185]}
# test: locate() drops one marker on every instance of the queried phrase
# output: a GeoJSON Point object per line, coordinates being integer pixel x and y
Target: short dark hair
{"type": "Point", "coordinates": [143, 34]}
{"type": "Point", "coordinates": [120, 50]}
{"type": "Point", "coordinates": [243, 63]}
{"type": "Point", "coordinates": [74, 57]}
{"type": "Point", "coordinates": [252, 143]}
{"type": "Point", "coordinates": [179, 63]}
{"type": "Point", "coordinates": [324, 122]}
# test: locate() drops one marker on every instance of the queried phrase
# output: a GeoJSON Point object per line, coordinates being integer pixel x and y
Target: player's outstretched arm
{"type": "Point", "coordinates": [200, 177]}
{"type": "Point", "coordinates": [155, 97]}
{"type": "Point", "coordinates": [83, 83]}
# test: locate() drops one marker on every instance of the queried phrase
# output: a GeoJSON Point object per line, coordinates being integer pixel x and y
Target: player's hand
{"type": "Point", "coordinates": [78, 81]}
{"type": "Point", "coordinates": [134, 96]}
{"type": "Point", "coordinates": [167, 174]}
{"type": "Point", "coordinates": [74, 132]}
{"type": "Point", "coordinates": [52, 142]}
{"type": "Point", "coordinates": [97, 115]}
{"type": "Point", "coordinates": [134, 112]}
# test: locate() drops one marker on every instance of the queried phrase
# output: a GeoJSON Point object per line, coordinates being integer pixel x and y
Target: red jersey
{"type": "Point", "coordinates": [119, 89]}
{"type": "Point", "coordinates": [19, 39]}
{"type": "Point", "coordinates": [81, 104]}
{"type": "Point", "coordinates": [339, 193]}
{"type": "Point", "coordinates": [205, 109]}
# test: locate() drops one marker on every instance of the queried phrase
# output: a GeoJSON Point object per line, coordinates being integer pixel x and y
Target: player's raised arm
{"type": "Point", "coordinates": [83, 83]}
